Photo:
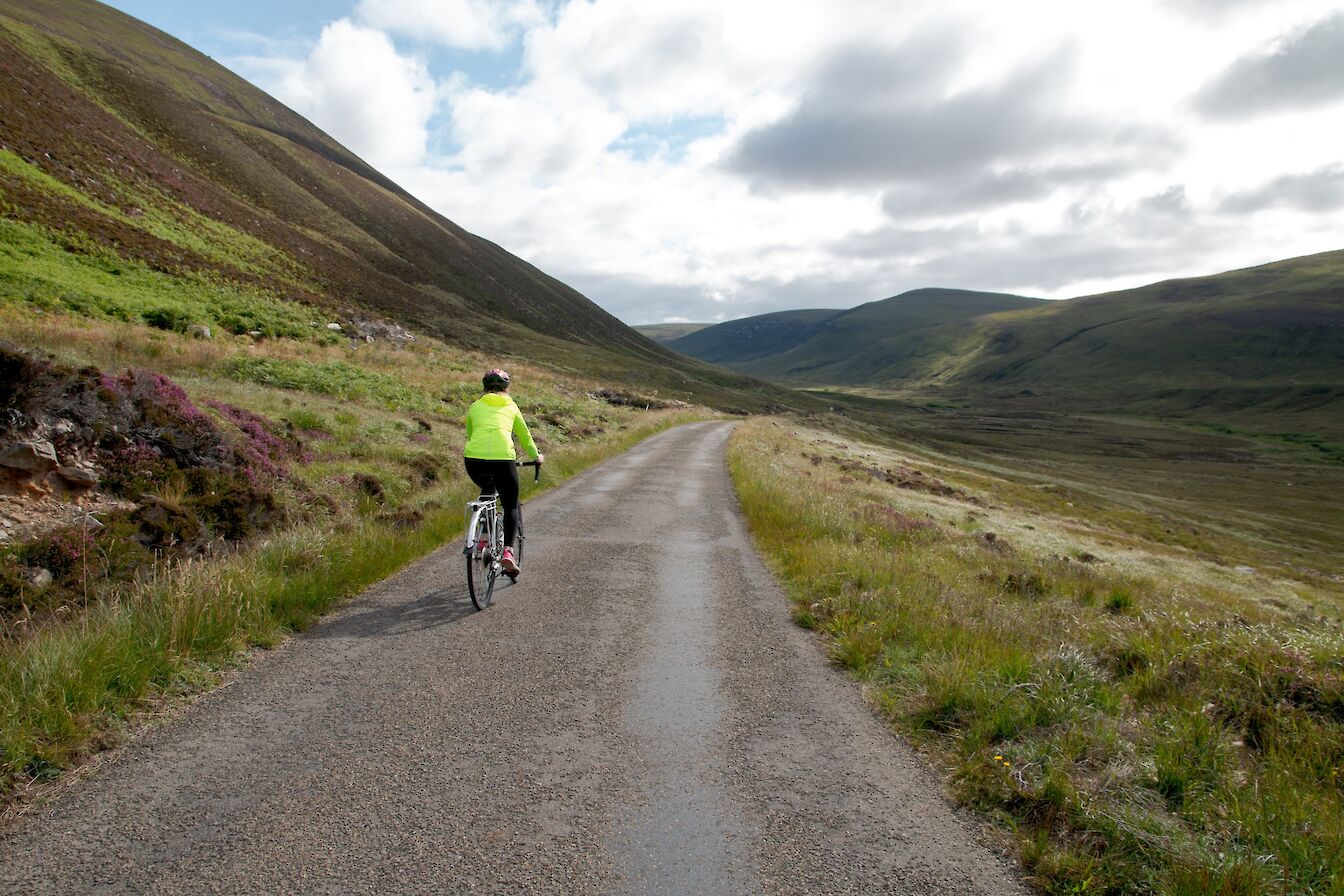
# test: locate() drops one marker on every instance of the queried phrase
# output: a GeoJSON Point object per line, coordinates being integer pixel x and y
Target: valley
{"type": "Point", "coordinates": [1257, 497]}
{"type": "Point", "coordinates": [1085, 555]}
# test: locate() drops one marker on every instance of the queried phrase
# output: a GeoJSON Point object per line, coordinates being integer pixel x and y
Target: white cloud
{"type": "Point", "coordinates": [356, 86]}
{"type": "Point", "coordinates": [466, 24]}
{"type": "Point", "coordinates": [626, 155]}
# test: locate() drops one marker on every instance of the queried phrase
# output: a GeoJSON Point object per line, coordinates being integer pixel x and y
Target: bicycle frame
{"type": "Point", "coordinates": [487, 505]}
{"type": "Point", "coordinates": [484, 545]}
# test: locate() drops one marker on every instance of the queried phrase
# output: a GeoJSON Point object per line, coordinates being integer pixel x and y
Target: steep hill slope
{"type": "Point", "coordinates": [119, 142]}
{"type": "Point", "coordinates": [826, 346]}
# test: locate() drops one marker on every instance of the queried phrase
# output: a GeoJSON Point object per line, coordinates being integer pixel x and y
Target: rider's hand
{"type": "Point", "coordinates": [541, 458]}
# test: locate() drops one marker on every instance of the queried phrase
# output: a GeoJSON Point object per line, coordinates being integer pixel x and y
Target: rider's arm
{"type": "Point", "coordinates": [524, 436]}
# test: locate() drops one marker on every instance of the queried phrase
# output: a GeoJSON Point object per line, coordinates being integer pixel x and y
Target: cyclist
{"type": "Point", "coordinates": [492, 422]}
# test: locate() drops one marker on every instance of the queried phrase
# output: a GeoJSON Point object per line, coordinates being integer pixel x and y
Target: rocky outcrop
{"type": "Point", "coordinates": [33, 467]}
{"type": "Point", "coordinates": [31, 458]}
{"type": "Point", "coordinates": [373, 330]}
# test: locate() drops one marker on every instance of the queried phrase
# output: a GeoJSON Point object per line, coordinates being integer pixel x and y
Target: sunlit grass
{"type": "Point", "coordinates": [1136, 733]}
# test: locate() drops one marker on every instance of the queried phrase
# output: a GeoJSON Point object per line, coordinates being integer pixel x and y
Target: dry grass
{"type": "Point", "coordinates": [1140, 720]}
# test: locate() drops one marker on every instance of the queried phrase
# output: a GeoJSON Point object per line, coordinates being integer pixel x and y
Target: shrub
{"type": "Point", "coordinates": [63, 553]}
{"type": "Point", "coordinates": [14, 590]}
{"type": "Point", "coordinates": [368, 485]}
{"type": "Point", "coordinates": [167, 524]}
{"type": "Point", "coordinates": [231, 504]}
{"type": "Point", "coordinates": [175, 319]}
{"type": "Point", "coordinates": [165, 418]}
{"type": "Point", "coordinates": [133, 469]}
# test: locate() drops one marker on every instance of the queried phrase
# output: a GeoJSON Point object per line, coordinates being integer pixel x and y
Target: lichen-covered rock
{"type": "Point", "coordinates": [32, 457]}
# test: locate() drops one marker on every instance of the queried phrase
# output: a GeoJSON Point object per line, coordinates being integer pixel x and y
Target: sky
{"type": "Point", "coordinates": [703, 161]}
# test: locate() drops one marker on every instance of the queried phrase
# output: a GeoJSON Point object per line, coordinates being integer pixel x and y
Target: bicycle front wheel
{"type": "Point", "coordinates": [480, 568]}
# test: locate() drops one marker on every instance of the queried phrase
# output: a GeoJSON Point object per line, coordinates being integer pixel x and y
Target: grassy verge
{"type": "Point", "coordinates": [64, 693]}
{"type": "Point", "coordinates": [1137, 720]}
{"type": "Point", "coordinates": [373, 482]}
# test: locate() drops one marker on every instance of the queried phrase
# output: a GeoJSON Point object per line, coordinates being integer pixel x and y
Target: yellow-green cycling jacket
{"type": "Point", "coordinates": [492, 422]}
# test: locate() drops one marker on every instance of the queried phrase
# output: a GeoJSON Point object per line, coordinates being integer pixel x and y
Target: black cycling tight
{"type": "Point", "coordinates": [498, 476]}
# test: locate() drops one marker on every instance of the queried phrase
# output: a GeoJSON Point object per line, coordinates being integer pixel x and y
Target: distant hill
{"type": "Point", "coordinates": [738, 343]}
{"type": "Point", "coordinates": [825, 346]}
{"type": "Point", "coordinates": [1269, 337]}
{"type": "Point", "coordinates": [117, 140]}
{"type": "Point", "coordinates": [667, 332]}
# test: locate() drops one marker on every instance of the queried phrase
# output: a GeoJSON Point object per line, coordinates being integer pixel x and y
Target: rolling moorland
{"type": "Point", "coordinates": [1085, 554]}
{"type": "Point", "coordinates": [1265, 340]}
{"type": "Point", "coordinates": [858, 345]}
{"type": "Point", "coordinates": [1136, 707]}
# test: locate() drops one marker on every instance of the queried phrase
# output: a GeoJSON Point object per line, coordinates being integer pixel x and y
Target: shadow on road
{"type": "Point", "coordinates": [442, 606]}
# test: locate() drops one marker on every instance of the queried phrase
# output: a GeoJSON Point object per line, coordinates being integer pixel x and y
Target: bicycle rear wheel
{"type": "Point", "coordinates": [481, 567]}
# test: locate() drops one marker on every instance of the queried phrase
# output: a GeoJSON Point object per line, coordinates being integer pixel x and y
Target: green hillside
{"type": "Point", "coordinates": [846, 347]}
{"type": "Point", "coordinates": [164, 166]}
{"type": "Point", "coordinates": [1268, 337]}
{"type": "Point", "coordinates": [738, 343]}
{"type": "Point", "coordinates": [667, 332]}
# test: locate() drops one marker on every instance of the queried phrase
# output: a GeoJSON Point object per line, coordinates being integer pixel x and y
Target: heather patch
{"type": "Point", "coordinates": [197, 480]}
{"type": "Point", "coordinates": [264, 450]}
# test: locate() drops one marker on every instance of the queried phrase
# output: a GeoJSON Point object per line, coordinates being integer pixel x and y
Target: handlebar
{"type": "Point", "coordinates": [532, 463]}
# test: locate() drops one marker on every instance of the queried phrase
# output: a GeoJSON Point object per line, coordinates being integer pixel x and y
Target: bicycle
{"type": "Point", "coordinates": [485, 544]}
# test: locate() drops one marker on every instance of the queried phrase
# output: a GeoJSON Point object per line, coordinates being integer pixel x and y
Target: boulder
{"type": "Point", "coordinates": [39, 578]}
{"type": "Point", "coordinates": [33, 457]}
{"type": "Point", "coordinates": [199, 331]}
{"type": "Point", "coordinates": [335, 327]}
{"type": "Point", "coordinates": [80, 477]}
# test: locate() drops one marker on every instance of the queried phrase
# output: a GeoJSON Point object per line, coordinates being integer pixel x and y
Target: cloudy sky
{"type": "Point", "coordinates": [709, 160]}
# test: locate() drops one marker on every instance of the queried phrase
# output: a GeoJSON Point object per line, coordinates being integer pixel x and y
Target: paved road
{"type": "Point", "coordinates": [636, 716]}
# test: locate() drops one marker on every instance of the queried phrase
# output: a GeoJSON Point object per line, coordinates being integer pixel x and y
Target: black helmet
{"type": "Point", "coordinates": [496, 380]}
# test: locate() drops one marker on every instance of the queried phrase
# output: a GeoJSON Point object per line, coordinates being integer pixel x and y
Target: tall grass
{"type": "Point", "coordinates": [64, 692]}
{"type": "Point", "coordinates": [1132, 738]}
